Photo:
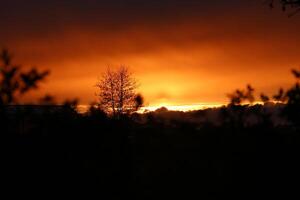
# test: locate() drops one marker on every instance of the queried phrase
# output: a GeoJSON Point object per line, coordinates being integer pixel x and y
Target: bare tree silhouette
{"type": "Point", "coordinates": [118, 92]}
{"type": "Point", "coordinates": [13, 82]}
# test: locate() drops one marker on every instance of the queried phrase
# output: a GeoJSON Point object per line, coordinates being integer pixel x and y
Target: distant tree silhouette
{"type": "Point", "coordinates": [280, 96]}
{"type": "Point", "coordinates": [264, 98]}
{"type": "Point", "coordinates": [161, 110]}
{"type": "Point", "coordinates": [294, 95]}
{"type": "Point", "coordinates": [117, 92]}
{"type": "Point", "coordinates": [47, 100]}
{"type": "Point", "coordinates": [293, 100]}
{"type": "Point", "coordinates": [71, 105]}
{"type": "Point", "coordinates": [95, 110]}
{"type": "Point", "coordinates": [14, 82]}
{"type": "Point", "coordinates": [289, 96]}
{"type": "Point", "coordinates": [240, 96]}
{"type": "Point", "coordinates": [139, 101]}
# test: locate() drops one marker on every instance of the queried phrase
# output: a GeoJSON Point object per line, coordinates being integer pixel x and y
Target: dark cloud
{"type": "Point", "coordinates": [34, 17]}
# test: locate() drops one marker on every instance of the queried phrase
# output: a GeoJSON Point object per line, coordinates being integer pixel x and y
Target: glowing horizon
{"type": "Point", "coordinates": [181, 52]}
{"type": "Point", "coordinates": [184, 108]}
{"type": "Point", "coordinates": [172, 107]}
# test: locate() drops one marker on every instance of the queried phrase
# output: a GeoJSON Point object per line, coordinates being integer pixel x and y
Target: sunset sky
{"type": "Point", "coordinates": [183, 52]}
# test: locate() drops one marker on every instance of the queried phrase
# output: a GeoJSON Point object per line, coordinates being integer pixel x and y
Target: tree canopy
{"type": "Point", "coordinates": [117, 92]}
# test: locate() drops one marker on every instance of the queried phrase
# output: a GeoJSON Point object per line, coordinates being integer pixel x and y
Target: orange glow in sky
{"type": "Point", "coordinates": [188, 57]}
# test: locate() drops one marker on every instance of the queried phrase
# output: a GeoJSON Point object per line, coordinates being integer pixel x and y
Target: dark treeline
{"type": "Point", "coordinates": [237, 150]}
{"type": "Point", "coordinates": [240, 150]}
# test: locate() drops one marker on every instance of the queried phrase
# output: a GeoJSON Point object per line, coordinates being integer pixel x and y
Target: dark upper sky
{"type": "Point", "coordinates": [180, 50]}
{"type": "Point", "coordinates": [52, 16]}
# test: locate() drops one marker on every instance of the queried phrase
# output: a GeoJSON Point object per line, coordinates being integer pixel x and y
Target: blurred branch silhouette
{"type": "Point", "coordinates": [293, 5]}
{"type": "Point", "coordinates": [13, 82]}
{"type": "Point", "coordinates": [290, 98]}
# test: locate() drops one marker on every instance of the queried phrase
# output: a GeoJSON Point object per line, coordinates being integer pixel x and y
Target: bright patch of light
{"type": "Point", "coordinates": [183, 108]}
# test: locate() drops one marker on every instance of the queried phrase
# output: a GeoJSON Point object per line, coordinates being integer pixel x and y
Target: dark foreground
{"type": "Point", "coordinates": [64, 154]}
